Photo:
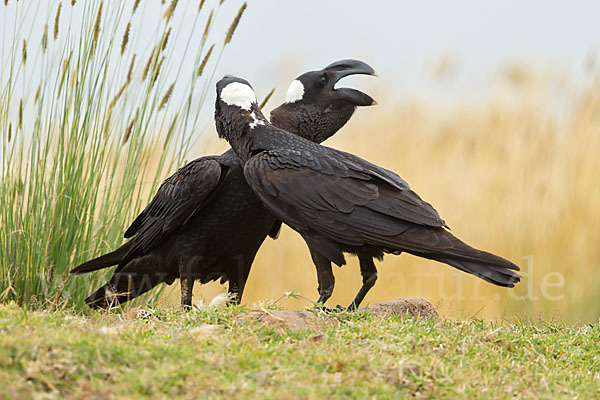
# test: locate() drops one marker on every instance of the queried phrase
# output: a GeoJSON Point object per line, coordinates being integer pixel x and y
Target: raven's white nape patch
{"type": "Point", "coordinates": [256, 121]}
{"type": "Point", "coordinates": [238, 94]}
{"type": "Point", "coordinates": [295, 92]}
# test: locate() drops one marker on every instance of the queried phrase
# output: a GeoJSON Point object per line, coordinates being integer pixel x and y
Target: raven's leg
{"type": "Point", "coordinates": [187, 283]}
{"type": "Point", "coordinates": [324, 276]}
{"type": "Point", "coordinates": [237, 283]}
{"type": "Point", "coordinates": [234, 291]}
{"type": "Point", "coordinates": [369, 276]}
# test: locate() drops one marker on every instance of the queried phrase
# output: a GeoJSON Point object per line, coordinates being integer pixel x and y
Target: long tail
{"type": "Point", "coordinates": [104, 261]}
{"type": "Point", "coordinates": [440, 245]}
{"type": "Point", "coordinates": [132, 281]}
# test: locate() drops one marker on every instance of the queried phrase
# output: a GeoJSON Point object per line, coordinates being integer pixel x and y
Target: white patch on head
{"type": "Point", "coordinates": [238, 94]}
{"type": "Point", "coordinates": [295, 92]}
{"type": "Point", "coordinates": [256, 121]}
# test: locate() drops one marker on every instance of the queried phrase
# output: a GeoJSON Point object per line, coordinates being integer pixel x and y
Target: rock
{"type": "Point", "coordinates": [413, 306]}
{"type": "Point", "coordinates": [290, 319]}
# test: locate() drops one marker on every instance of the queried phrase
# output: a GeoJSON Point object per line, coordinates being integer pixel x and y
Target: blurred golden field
{"type": "Point", "coordinates": [506, 174]}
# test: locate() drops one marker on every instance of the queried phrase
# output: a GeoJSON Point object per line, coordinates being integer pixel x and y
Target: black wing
{"type": "Point", "coordinates": [329, 196]}
{"type": "Point", "coordinates": [345, 198]}
{"type": "Point", "coordinates": [176, 201]}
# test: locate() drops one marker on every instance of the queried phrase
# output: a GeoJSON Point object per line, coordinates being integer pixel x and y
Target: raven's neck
{"type": "Point", "coordinates": [239, 128]}
{"type": "Point", "coordinates": [310, 121]}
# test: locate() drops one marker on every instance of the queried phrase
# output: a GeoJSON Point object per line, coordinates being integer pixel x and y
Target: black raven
{"type": "Point", "coordinates": [205, 222]}
{"type": "Point", "coordinates": [339, 202]}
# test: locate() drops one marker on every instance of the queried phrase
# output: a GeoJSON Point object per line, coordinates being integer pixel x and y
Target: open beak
{"type": "Point", "coordinates": [341, 69]}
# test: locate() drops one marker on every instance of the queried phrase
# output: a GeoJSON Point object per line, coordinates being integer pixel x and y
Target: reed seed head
{"type": "Point", "coordinates": [130, 127]}
{"type": "Point", "coordinates": [125, 38]}
{"type": "Point", "coordinates": [37, 94]}
{"type": "Point", "coordinates": [130, 68]}
{"type": "Point", "coordinates": [266, 99]}
{"type": "Point", "coordinates": [148, 64]}
{"type": "Point", "coordinates": [234, 24]}
{"type": "Point", "coordinates": [166, 97]}
{"type": "Point", "coordinates": [135, 6]}
{"type": "Point", "coordinates": [21, 114]}
{"type": "Point", "coordinates": [57, 20]}
{"type": "Point", "coordinates": [24, 51]}
{"type": "Point", "coordinates": [207, 27]}
{"type": "Point", "coordinates": [45, 38]}
{"type": "Point", "coordinates": [117, 96]}
{"type": "Point", "coordinates": [169, 13]}
{"type": "Point", "coordinates": [165, 39]}
{"type": "Point", "coordinates": [205, 60]}
{"type": "Point", "coordinates": [97, 25]}
{"type": "Point", "coordinates": [157, 70]}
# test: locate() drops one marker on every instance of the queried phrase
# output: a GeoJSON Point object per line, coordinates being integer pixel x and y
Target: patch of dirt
{"type": "Point", "coordinates": [413, 306]}
{"type": "Point", "coordinates": [303, 319]}
{"type": "Point", "coordinates": [290, 319]}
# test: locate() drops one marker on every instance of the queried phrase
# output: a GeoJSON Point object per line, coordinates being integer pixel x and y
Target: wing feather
{"type": "Point", "coordinates": [175, 202]}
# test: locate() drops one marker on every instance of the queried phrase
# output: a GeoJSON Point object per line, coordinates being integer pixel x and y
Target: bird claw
{"type": "Point", "coordinates": [327, 310]}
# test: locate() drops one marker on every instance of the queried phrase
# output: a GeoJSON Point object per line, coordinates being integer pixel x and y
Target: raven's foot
{"type": "Point", "coordinates": [337, 309]}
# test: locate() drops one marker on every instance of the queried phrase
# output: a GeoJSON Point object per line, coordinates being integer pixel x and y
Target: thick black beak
{"type": "Point", "coordinates": [341, 69]}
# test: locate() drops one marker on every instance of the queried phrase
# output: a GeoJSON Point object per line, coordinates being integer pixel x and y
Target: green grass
{"type": "Point", "coordinates": [209, 354]}
{"type": "Point", "coordinates": [89, 129]}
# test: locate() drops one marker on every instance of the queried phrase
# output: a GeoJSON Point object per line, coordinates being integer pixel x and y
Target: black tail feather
{"type": "Point", "coordinates": [126, 285]}
{"type": "Point", "coordinates": [487, 266]}
{"type": "Point", "coordinates": [104, 261]}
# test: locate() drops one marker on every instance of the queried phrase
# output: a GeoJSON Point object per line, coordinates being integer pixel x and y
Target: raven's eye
{"type": "Point", "coordinates": [323, 80]}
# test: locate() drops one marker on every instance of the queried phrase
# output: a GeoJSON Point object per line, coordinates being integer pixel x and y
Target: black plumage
{"type": "Point", "coordinates": [341, 203]}
{"type": "Point", "coordinates": [205, 223]}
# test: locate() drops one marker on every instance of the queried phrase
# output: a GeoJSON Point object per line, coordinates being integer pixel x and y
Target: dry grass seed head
{"type": "Point", "coordinates": [9, 127]}
{"type": "Point", "coordinates": [267, 98]}
{"type": "Point", "coordinates": [207, 27]}
{"type": "Point", "coordinates": [57, 21]}
{"type": "Point", "coordinates": [165, 39]}
{"type": "Point", "coordinates": [24, 51]}
{"type": "Point", "coordinates": [157, 70]}
{"type": "Point", "coordinates": [125, 38]}
{"type": "Point", "coordinates": [169, 13]}
{"type": "Point", "coordinates": [130, 127]}
{"type": "Point", "coordinates": [148, 64]}
{"type": "Point", "coordinates": [234, 24]}
{"type": "Point", "coordinates": [37, 94]}
{"type": "Point", "coordinates": [166, 97]}
{"type": "Point", "coordinates": [200, 5]}
{"type": "Point", "coordinates": [117, 96]}
{"type": "Point", "coordinates": [45, 38]}
{"type": "Point", "coordinates": [73, 78]}
{"type": "Point", "coordinates": [205, 60]}
{"type": "Point", "coordinates": [97, 25]}
{"type": "Point", "coordinates": [130, 71]}
{"type": "Point", "coordinates": [21, 114]}
{"type": "Point", "coordinates": [135, 6]}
